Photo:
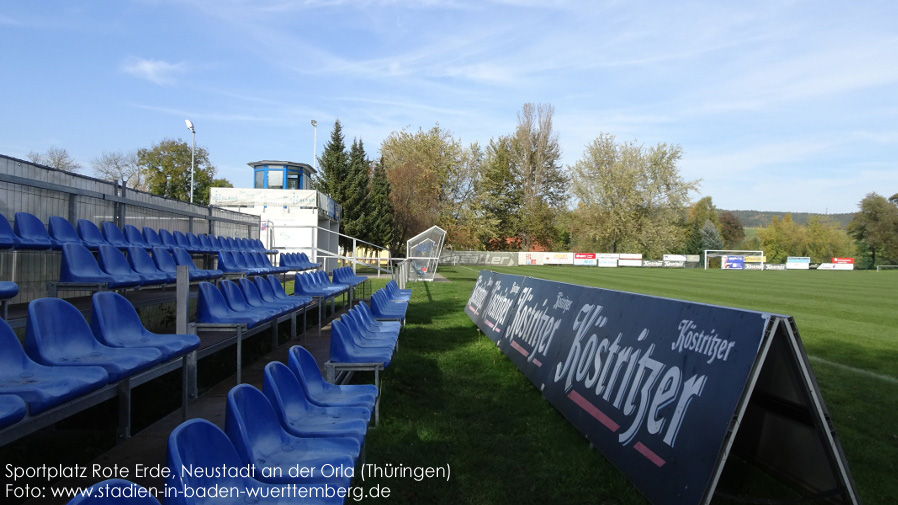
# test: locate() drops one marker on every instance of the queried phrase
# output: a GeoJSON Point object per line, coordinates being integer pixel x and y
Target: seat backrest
{"type": "Point", "coordinates": [134, 236]}
{"type": "Point", "coordinates": [167, 239]}
{"type": "Point", "coordinates": [113, 234]}
{"type": "Point", "coordinates": [211, 304]}
{"type": "Point", "coordinates": [152, 237]}
{"type": "Point", "coordinates": [251, 422]}
{"type": "Point", "coordinates": [276, 287]}
{"type": "Point", "coordinates": [31, 231]}
{"type": "Point", "coordinates": [194, 241]}
{"type": "Point", "coordinates": [114, 320]}
{"type": "Point", "coordinates": [264, 288]}
{"type": "Point", "coordinates": [62, 230]}
{"type": "Point", "coordinates": [206, 242]}
{"type": "Point", "coordinates": [234, 296]}
{"type": "Point", "coordinates": [113, 262]}
{"type": "Point", "coordinates": [55, 329]}
{"type": "Point", "coordinates": [90, 233]}
{"type": "Point", "coordinates": [7, 235]}
{"type": "Point", "coordinates": [251, 292]}
{"type": "Point", "coordinates": [12, 355]}
{"type": "Point", "coordinates": [164, 260]}
{"type": "Point", "coordinates": [226, 262]}
{"type": "Point", "coordinates": [283, 390]}
{"type": "Point", "coordinates": [79, 265]}
{"type": "Point", "coordinates": [182, 257]}
{"type": "Point", "coordinates": [140, 261]}
{"type": "Point", "coordinates": [181, 239]}
{"type": "Point", "coordinates": [304, 366]}
{"type": "Point", "coordinates": [197, 443]}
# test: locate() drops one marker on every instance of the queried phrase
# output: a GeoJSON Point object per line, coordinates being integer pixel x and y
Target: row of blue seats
{"type": "Point", "coordinates": [64, 356]}
{"type": "Point", "coordinates": [30, 233]}
{"type": "Point", "coordinates": [297, 261]}
{"type": "Point", "coordinates": [360, 337]}
{"type": "Point", "coordinates": [248, 301]}
{"type": "Point", "coordinates": [317, 284]}
{"type": "Point", "coordinates": [248, 263]}
{"type": "Point", "coordinates": [290, 433]}
{"type": "Point", "coordinates": [113, 269]}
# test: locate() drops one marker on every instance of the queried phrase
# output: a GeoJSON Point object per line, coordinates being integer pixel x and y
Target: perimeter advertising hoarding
{"type": "Point", "coordinates": [798, 263]}
{"type": "Point", "coordinates": [659, 386]}
{"type": "Point", "coordinates": [732, 262]}
{"type": "Point", "coordinates": [585, 259]}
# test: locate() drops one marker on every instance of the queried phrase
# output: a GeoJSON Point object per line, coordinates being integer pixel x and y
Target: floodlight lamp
{"type": "Point", "coordinates": [315, 123]}
{"type": "Point", "coordinates": [189, 125]}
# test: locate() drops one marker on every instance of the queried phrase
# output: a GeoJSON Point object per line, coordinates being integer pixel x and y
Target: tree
{"type": "Point", "coordinates": [783, 238]}
{"type": "Point", "coordinates": [500, 194]}
{"type": "Point", "coordinates": [55, 157]}
{"type": "Point", "coordinates": [166, 167]}
{"type": "Point", "coordinates": [543, 181]}
{"type": "Point", "coordinates": [631, 198]}
{"type": "Point", "coordinates": [710, 236]}
{"type": "Point", "coordinates": [731, 230]}
{"type": "Point", "coordinates": [355, 204]}
{"type": "Point", "coordinates": [699, 214]}
{"type": "Point", "coordinates": [381, 227]}
{"type": "Point", "coordinates": [826, 240]}
{"type": "Point", "coordinates": [334, 166]}
{"type": "Point", "coordinates": [119, 166]}
{"type": "Point", "coordinates": [875, 228]}
{"type": "Point", "coordinates": [418, 166]}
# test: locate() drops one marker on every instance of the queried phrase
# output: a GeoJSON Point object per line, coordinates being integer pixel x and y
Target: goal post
{"type": "Point", "coordinates": [880, 268]}
{"type": "Point", "coordinates": [717, 253]}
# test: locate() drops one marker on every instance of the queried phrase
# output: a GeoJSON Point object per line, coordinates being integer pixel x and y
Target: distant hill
{"type": "Point", "coordinates": [756, 218]}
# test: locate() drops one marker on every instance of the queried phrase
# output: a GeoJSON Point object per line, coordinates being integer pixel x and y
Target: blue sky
{"type": "Point", "coordinates": [778, 105]}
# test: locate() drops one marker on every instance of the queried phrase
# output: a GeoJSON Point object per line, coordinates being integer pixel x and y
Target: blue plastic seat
{"type": "Point", "coordinates": [306, 284]}
{"type": "Point", "coordinates": [7, 235]}
{"type": "Point", "coordinates": [259, 439]}
{"type": "Point", "coordinates": [62, 231]}
{"type": "Point", "coordinates": [182, 257]}
{"type": "Point", "coordinates": [367, 337]}
{"type": "Point", "coordinates": [143, 264]}
{"type": "Point", "coordinates": [57, 334]}
{"type": "Point", "coordinates": [365, 312]}
{"type": "Point", "coordinates": [196, 244]}
{"type": "Point", "coordinates": [206, 243]}
{"type": "Point", "coordinates": [32, 234]}
{"type": "Point", "coordinates": [114, 263]}
{"type": "Point", "coordinates": [164, 261]}
{"type": "Point", "coordinates": [168, 240]}
{"type": "Point", "coordinates": [226, 263]}
{"type": "Point", "coordinates": [109, 492]}
{"type": "Point", "coordinates": [254, 298]}
{"type": "Point", "coordinates": [383, 308]}
{"type": "Point", "coordinates": [42, 387]}
{"type": "Point", "coordinates": [301, 418]}
{"type": "Point", "coordinates": [135, 237]}
{"type": "Point", "coordinates": [114, 322]}
{"type": "Point", "coordinates": [182, 242]}
{"type": "Point", "coordinates": [113, 234]}
{"type": "Point", "coordinates": [237, 301]}
{"type": "Point", "coordinates": [79, 265]}
{"type": "Point", "coordinates": [8, 289]}
{"type": "Point", "coordinates": [197, 443]}
{"type": "Point", "coordinates": [91, 236]}
{"type": "Point", "coordinates": [343, 348]}
{"type": "Point", "coordinates": [152, 237]}
{"type": "Point", "coordinates": [277, 288]}
{"type": "Point", "coordinates": [211, 307]}
{"type": "Point", "coordinates": [12, 409]}
{"type": "Point", "coordinates": [321, 392]}
{"type": "Point", "coordinates": [395, 293]}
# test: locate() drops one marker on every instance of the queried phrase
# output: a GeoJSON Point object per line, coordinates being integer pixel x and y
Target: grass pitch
{"type": "Point", "coordinates": [451, 398]}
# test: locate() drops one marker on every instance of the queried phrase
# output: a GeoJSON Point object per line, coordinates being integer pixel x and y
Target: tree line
{"type": "Point", "coordinates": [513, 194]}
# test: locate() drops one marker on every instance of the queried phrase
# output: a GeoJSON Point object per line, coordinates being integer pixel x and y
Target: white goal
{"type": "Point", "coordinates": [750, 257]}
{"type": "Point", "coordinates": [886, 267]}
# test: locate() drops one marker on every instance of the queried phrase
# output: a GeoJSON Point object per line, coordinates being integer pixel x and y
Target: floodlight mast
{"type": "Point", "coordinates": [192, 155]}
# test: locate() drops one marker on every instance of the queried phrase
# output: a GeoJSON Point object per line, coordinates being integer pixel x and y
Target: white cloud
{"type": "Point", "coordinates": [159, 72]}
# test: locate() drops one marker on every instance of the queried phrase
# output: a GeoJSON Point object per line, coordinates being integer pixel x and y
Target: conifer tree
{"type": "Point", "coordinates": [356, 202]}
{"type": "Point", "coordinates": [334, 166]}
{"type": "Point", "coordinates": [381, 225]}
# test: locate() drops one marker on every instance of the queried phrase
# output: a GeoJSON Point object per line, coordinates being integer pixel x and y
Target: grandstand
{"type": "Point", "coordinates": [136, 312]}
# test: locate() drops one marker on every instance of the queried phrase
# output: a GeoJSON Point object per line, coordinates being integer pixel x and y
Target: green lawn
{"type": "Point", "coordinates": [451, 398]}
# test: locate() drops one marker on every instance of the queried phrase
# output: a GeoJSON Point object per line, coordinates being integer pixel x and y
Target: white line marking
{"type": "Point", "coordinates": [860, 371]}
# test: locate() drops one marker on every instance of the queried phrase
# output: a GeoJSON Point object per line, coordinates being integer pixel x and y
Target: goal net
{"type": "Point", "coordinates": [880, 268]}
{"type": "Point", "coordinates": [734, 259]}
